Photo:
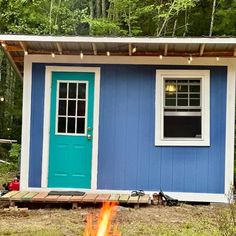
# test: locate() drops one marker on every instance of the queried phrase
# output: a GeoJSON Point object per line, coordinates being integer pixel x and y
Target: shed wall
{"type": "Point", "coordinates": [127, 157]}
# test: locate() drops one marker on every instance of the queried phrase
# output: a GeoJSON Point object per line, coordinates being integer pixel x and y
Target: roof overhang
{"type": "Point", "coordinates": [16, 46]}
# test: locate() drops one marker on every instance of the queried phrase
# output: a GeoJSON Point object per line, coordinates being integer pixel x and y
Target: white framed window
{"type": "Point", "coordinates": [182, 108]}
{"type": "Point", "coordinates": [72, 106]}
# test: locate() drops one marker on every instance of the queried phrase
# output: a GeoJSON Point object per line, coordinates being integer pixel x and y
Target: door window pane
{"type": "Point", "coordinates": [62, 107]}
{"type": "Point", "coordinates": [80, 125]}
{"type": "Point", "coordinates": [61, 126]}
{"type": "Point", "coordinates": [71, 107]}
{"type": "Point", "coordinates": [81, 108]}
{"type": "Point", "coordinates": [63, 90]}
{"type": "Point", "coordinates": [71, 125]}
{"type": "Point", "coordinates": [82, 90]}
{"type": "Point", "coordinates": [72, 90]}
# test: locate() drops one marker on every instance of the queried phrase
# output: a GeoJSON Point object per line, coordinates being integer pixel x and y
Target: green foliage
{"type": "Point", "coordinates": [117, 17]}
{"type": "Point", "coordinates": [14, 153]}
{"type": "Point", "coordinates": [7, 172]}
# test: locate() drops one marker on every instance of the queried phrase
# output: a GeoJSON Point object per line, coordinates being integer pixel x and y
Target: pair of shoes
{"type": "Point", "coordinates": [137, 193]}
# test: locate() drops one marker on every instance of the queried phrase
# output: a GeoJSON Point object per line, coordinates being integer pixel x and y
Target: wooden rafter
{"type": "Point", "coordinates": [24, 46]}
{"type": "Point", "coordinates": [166, 49]}
{"type": "Point", "coordinates": [14, 48]}
{"type": "Point", "coordinates": [18, 59]}
{"type": "Point", "coordinates": [130, 49]}
{"type": "Point", "coordinates": [13, 63]}
{"type": "Point", "coordinates": [59, 48]}
{"type": "Point", "coordinates": [202, 48]}
{"type": "Point", "coordinates": [94, 49]}
{"type": "Point", "coordinates": [234, 54]}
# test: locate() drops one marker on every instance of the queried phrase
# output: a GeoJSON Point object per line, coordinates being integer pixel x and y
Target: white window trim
{"type": "Point", "coordinates": [205, 104]}
{"type": "Point", "coordinates": [86, 108]}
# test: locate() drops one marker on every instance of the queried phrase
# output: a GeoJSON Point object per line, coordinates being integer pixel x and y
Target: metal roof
{"type": "Point", "coordinates": [16, 46]}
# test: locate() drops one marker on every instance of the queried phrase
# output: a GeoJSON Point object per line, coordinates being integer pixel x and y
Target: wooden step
{"type": "Point", "coordinates": [8, 195]}
{"type": "Point", "coordinates": [40, 197]}
{"type": "Point", "coordinates": [18, 196]}
{"type": "Point", "coordinates": [124, 198]}
{"type": "Point", "coordinates": [29, 196]}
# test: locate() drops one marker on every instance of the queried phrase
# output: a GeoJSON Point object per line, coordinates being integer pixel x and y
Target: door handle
{"type": "Point", "coordinates": [89, 136]}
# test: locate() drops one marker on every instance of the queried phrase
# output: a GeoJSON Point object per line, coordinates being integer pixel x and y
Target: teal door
{"type": "Point", "coordinates": [71, 126]}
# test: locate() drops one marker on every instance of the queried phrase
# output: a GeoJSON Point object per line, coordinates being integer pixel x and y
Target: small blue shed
{"type": "Point", "coordinates": [120, 114]}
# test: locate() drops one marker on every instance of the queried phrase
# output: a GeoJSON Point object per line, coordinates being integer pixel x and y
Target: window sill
{"type": "Point", "coordinates": [183, 142]}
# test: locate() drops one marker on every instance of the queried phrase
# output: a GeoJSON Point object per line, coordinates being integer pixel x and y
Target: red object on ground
{"type": "Point", "coordinates": [14, 185]}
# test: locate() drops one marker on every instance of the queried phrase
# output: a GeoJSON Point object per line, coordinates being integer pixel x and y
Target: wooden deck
{"type": "Point", "coordinates": [43, 197]}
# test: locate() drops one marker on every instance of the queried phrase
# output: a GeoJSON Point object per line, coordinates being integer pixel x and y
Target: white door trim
{"type": "Point", "coordinates": [46, 130]}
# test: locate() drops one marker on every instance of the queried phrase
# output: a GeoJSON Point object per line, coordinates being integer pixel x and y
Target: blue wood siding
{"type": "Point", "coordinates": [36, 125]}
{"type": "Point", "coordinates": [128, 158]}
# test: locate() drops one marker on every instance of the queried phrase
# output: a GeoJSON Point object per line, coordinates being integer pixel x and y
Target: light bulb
{"type": "Point", "coordinates": [81, 55]}
{"type": "Point", "coordinates": [53, 54]}
{"type": "Point", "coordinates": [108, 53]}
{"type": "Point", "coordinates": [134, 50]}
{"type": "Point", "coordinates": [161, 57]}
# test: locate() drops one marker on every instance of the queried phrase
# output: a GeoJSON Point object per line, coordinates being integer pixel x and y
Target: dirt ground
{"type": "Point", "coordinates": [151, 220]}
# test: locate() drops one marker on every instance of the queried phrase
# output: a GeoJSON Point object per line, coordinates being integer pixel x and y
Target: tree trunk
{"type": "Point", "coordinates": [174, 28]}
{"type": "Point", "coordinates": [91, 8]}
{"type": "Point", "coordinates": [212, 17]}
{"type": "Point", "coordinates": [166, 19]}
{"type": "Point", "coordinates": [98, 8]}
{"type": "Point", "coordinates": [129, 21]}
{"type": "Point", "coordinates": [50, 17]}
{"type": "Point", "coordinates": [104, 8]}
{"type": "Point", "coordinates": [186, 22]}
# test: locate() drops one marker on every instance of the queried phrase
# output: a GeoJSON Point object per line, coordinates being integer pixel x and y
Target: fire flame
{"type": "Point", "coordinates": [103, 227]}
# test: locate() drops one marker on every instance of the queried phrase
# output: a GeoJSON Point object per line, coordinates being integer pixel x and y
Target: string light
{"type": "Point", "coordinates": [53, 55]}
{"type": "Point", "coordinates": [2, 99]}
{"type": "Point", "coordinates": [189, 60]}
{"type": "Point", "coordinates": [3, 45]}
{"type": "Point", "coordinates": [134, 50]}
{"type": "Point", "coordinates": [26, 53]}
{"type": "Point", "coordinates": [217, 58]}
{"type": "Point", "coordinates": [81, 55]}
{"type": "Point", "coordinates": [161, 57]}
{"type": "Point", "coordinates": [108, 53]}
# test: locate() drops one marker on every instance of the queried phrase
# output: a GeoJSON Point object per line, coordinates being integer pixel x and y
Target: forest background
{"type": "Point", "coordinates": [149, 18]}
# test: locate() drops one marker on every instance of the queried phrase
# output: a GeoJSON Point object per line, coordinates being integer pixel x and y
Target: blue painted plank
{"type": "Point", "coordinates": [36, 125]}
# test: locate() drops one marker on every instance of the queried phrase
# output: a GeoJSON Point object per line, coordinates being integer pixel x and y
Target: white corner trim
{"type": "Point", "coordinates": [205, 103]}
{"type": "Point", "coordinates": [26, 116]}
{"type": "Point", "coordinates": [47, 102]}
{"type": "Point", "coordinates": [181, 196]}
{"type": "Point", "coordinates": [229, 136]}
